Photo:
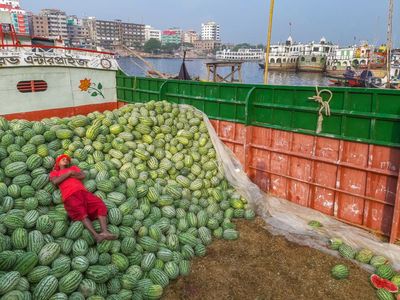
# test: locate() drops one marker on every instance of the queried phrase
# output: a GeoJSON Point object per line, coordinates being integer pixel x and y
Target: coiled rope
{"type": "Point", "coordinates": [324, 105]}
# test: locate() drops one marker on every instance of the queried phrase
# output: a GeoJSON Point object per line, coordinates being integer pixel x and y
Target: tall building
{"type": "Point", "coordinates": [171, 36]}
{"type": "Point", "coordinates": [109, 34]}
{"type": "Point", "coordinates": [190, 37]}
{"type": "Point", "coordinates": [210, 32]}
{"type": "Point", "coordinates": [132, 35]}
{"type": "Point", "coordinates": [151, 33]}
{"type": "Point", "coordinates": [38, 25]}
{"type": "Point", "coordinates": [78, 33]}
{"type": "Point", "coordinates": [57, 23]}
{"type": "Point", "coordinates": [19, 17]}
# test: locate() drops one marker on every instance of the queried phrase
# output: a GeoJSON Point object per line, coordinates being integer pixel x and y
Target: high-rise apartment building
{"type": "Point", "coordinates": [171, 36]}
{"type": "Point", "coordinates": [210, 32]}
{"type": "Point", "coordinates": [57, 23]}
{"type": "Point", "coordinates": [109, 34]}
{"type": "Point", "coordinates": [133, 35]}
{"type": "Point", "coordinates": [78, 33]}
{"type": "Point", "coordinates": [151, 33]}
{"type": "Point", "coordinates": [38, 25]}
{"type": "Point", "coordinates": [19, 17]}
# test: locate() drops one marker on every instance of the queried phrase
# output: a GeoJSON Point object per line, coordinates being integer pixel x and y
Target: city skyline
{"type": "Point", "coordinates": [242, 22]}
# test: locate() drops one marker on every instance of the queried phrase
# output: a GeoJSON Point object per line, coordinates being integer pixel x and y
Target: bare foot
{"type": "Point", "coordinates": [107, 235]}
{"type": "Point", "coordinates": [99, 238]}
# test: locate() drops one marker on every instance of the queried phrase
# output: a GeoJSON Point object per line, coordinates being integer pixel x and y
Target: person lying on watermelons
{"type": "Point", "coordinates": [80, 204]}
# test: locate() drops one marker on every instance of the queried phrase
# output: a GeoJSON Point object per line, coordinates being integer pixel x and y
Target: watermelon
{"type": "Point", "coordinates": [383, 294]}
{"type": "Point", "coordinates": [70, 282]}
{"type": "Point", "coordinates": [154, 167]}
{"type": "Point", "coordinates": [385, 271]}
{"type": "Point", "coordinates": [48, 253]}
{"type": "Point", "coordinates": [9, 281]}
{"type": "Point", "coordinates": [382, 283]}
{"type": "Point", "coordinates": [26, 262]}
{"type": "Point", "coordinates": [378, 260]}
{"type": "Point", "coordinates": [46, 288]}
{"type": "Point", "coordinates": [347, 251]}
{"type": "Point", "coordinates": [340, 272]}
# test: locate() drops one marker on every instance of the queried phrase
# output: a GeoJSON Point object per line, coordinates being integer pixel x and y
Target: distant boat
{"type": "Point", "coordinates": [283, 56]}
{"type": "Point", "coordinates": [351, 79]}
{"type": "Point", "coordinates": [314, 56]}
{"type": "Point", "coordinates": [240, 55]}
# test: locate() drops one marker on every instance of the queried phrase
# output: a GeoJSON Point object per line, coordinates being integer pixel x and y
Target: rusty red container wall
{"type": "Point", "coordinates": [353, 182]}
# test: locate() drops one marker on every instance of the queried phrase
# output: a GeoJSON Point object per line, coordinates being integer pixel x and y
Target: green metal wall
{"type": "Point", "coordinates": [364, 115]}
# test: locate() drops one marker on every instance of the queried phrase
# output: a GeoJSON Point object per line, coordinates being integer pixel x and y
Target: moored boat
{"type": "Point", "coordinates": [345, 165]}
{"type": "Point", "coordinates": [283, 57]}
{"type": "Point", "coordinates": [41, 77]}
{"type": "Point", "coordinates": [314, 56]}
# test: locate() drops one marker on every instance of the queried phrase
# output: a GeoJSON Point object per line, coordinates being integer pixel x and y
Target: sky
{"type": "Point", "coordinates": [344, 22]}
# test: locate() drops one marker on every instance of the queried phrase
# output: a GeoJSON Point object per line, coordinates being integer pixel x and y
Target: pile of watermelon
{"type": "Point", "coordinates": [385, 279]}
{"type": "Point", "coordinates": [154, 166]}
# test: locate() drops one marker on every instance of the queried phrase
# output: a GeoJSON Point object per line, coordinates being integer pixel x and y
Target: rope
{"type": "Point", "coordinates": [324, 105]}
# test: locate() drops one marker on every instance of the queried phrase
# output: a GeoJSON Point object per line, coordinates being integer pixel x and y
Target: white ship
{"type": "Point", "coordinates": [314, 56]}
{"type": "Point", "coordinates": [345, 59]}
{"type": "Point", "coordinates": [284, 57]}
{"type": "Point", "coordinates": [241, 55]}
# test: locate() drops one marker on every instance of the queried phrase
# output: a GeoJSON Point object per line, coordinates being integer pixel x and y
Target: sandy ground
{"type": "Point", "coordinates": [262, 266]}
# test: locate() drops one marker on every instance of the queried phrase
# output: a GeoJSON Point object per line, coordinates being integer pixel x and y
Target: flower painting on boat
{"type": "Point", "coordinates": [86, 85]}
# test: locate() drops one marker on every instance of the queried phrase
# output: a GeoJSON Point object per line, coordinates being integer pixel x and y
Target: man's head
{"type": "Point", "coordinates": [62, 162]}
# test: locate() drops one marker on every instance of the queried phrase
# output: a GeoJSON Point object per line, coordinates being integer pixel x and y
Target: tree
{"type": "Point", "coordinates": [170, 47]}
{"type": "Point", "coordinates": [152, 45]}
{"type": "Point", "coordinates": [243, 45]}
{"type": "Point", "coordinates": [187, 45]}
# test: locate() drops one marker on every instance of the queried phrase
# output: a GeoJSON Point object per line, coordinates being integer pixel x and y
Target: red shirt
{"type": "Point", "coordinates": [69, 185]}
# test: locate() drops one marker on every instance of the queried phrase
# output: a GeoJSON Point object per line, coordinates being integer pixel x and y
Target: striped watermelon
{"type": "Point", "coordinates": [9, 282]}
{"type": "Point", "coordinates": [46, 288]}
{"type": "Point", "coordinates": [70, 282]}
{"type": "Point", "coordinates": [48, 253]}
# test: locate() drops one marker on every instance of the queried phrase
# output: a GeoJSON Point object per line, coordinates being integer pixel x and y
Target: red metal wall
{"type": "Point", "coordinates": [353, 182]}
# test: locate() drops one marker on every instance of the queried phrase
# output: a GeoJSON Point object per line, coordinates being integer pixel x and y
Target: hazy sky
{"type": "Point", "coordinates": [340, 21]}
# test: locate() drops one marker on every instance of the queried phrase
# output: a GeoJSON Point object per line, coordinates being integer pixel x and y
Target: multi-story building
{"type": "Point", "coordinates": [190, 36]}
{"type": "Point", "coordinates": [207, 45]}
{"type": "Point", "coordinates": [171, 36]}
{"type": "Point", "coordinates": [133, 35]}
{"type": "Point", "coordinates": [57, 23]}
{"type": "Point", "coordinates": [19, 17]}
{"type": "Point", "coordinates": [38, 25]}
{"type": "Point", "coordinates": [210, 31]}
{"type": "Point", "coordinates": [109, 34]}
{"type": "Point", "coordinates": [78, 33]}
{"type": "Point", "coordinates": [151, 33]}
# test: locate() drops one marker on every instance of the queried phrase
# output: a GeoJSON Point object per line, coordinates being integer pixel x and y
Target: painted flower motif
{"type": "Point", "coordinates": [92, 88]}
{"type": "Point", "coordinates": [85, 84]}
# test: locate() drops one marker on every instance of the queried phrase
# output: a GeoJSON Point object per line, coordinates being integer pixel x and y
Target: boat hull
{"type": "Point", "coordinates": [287, 67]}
{"type": "Point", "coordinates": [309, 67]}
{"type": "Point", "coordinates": [310, 63]}
{"type": "Point", "coordinates": [66, 88]}
{"type": "Point", "coordinates": [345, 171]}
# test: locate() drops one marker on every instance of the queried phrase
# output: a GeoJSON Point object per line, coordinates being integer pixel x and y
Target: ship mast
{"type": "Point", "coordinates": [389, 41]}
{"type": "Point", "coordinates": [267, 51]}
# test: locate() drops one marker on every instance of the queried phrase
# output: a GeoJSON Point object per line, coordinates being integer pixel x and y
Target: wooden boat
{"type": "Point", "coordinates": [349, 169]}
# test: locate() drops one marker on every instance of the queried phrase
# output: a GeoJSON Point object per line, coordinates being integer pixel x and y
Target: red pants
{"type": "Point", "coordinates": [82, 204]}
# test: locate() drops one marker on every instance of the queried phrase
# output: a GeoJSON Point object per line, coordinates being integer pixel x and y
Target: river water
{"type": "Point", "coordinates": [251, 72]}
